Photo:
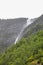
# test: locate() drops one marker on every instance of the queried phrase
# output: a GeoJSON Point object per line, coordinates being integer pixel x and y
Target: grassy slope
{"type": "Point", "coordinates": [28, 51]}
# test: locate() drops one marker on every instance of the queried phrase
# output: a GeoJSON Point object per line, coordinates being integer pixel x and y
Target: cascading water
{"type": "Point", "coordinates": [20, 35]}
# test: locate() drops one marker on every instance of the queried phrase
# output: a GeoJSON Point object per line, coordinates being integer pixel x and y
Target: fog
{"type": "Point", "coordinates": [20, 8]}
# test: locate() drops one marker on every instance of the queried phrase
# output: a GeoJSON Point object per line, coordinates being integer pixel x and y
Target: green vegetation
{"type": "Point", "coordinates": [28, 51]}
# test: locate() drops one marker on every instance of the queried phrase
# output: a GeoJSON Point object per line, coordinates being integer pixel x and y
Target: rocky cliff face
{"type": "Point", "coordinates": [9, 30]}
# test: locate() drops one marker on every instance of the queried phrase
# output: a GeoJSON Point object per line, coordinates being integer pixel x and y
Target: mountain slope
{"type": "Point", "coordinates": [9, 30]}
{"type": "Point", "coordinates": [28, 51]}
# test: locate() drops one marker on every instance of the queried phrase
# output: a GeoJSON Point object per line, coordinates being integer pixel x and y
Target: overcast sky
{"type": "Point", "coordinates": [20, 8]}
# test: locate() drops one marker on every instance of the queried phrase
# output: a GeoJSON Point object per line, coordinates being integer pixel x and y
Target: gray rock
{"type": "Point", "coordinates": [9, 30]}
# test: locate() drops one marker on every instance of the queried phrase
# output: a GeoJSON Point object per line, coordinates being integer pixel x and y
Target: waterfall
{"type": "Point", "coordinates": [25, 25]}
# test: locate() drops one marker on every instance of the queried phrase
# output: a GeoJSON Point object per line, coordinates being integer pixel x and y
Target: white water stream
{"type": "Point", "coordinates": [26, 25]}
